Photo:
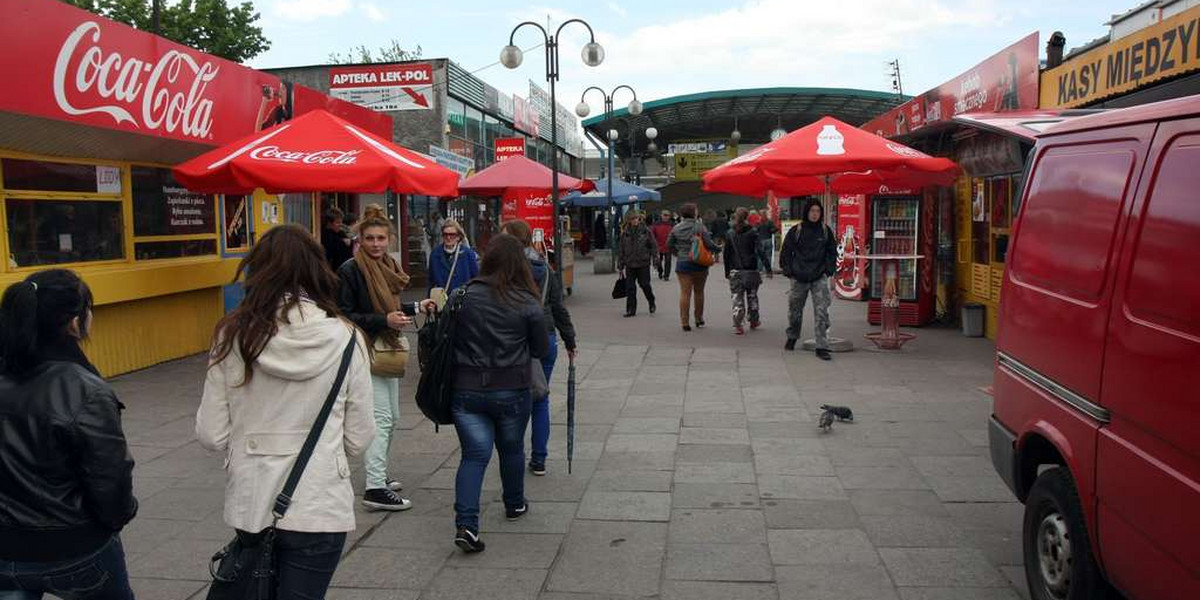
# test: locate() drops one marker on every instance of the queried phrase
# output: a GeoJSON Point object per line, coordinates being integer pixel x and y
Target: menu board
{"type": "Point", "coordinates": [163, 207]}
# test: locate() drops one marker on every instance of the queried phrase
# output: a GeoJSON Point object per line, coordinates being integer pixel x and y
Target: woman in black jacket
{"type": "Point", "coordinates": [500, 330]}
{"type": "Point", "coordinates": [66, 481]}
{"type": "Point", "coordinates": [741, 269]}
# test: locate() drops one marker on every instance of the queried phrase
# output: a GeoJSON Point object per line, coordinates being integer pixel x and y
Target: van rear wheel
{"type": "Point", "coordinates": [1058, 555]}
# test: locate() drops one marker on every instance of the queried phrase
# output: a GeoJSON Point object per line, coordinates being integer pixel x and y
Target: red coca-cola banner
{"type": "Point", "coordinates": [68, 64]}
{"type": "Point", "coordinates": [532, 206]}
{"type": "Point", "coordinates": [1005, 81]}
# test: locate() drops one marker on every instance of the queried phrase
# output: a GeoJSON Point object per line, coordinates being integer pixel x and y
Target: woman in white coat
{"type": "Point", "coordinates": [273, 361]}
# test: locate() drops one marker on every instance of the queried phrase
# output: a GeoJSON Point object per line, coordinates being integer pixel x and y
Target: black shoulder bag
{"type": "Point", "coordinates": [435, 354]}
{"type": "Point", "coordinates": [245, 568]}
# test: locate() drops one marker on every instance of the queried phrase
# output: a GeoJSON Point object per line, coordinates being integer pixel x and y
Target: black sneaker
{"type": "Point", "coordinates": [468, 541]}
{"type": "Point", "coordinates": [790, 345]}
{"type": "Point", "coordinates": [652, 307]}
{"type": "Point", "coordinates": [538, 469]}
{"type": "Point", "coordinates": [385, 499]}
{"type": "Point", "coordinates": [393, 485]}
{"type": "Point", "coordinates": [512, 514]}
{"type": "Point", "coordinates": [824, 354]}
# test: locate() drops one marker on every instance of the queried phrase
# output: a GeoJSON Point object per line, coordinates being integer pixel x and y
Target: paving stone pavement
{"type": "Point", "coordinates": [699, 473]}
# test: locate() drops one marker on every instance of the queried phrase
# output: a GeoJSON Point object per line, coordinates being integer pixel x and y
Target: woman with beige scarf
{"type": "Point", "coordinates": [369, 295]}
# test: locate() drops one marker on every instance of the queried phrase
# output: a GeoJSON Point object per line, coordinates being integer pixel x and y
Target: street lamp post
{"type": "Point", "coordinates": [635, 108]}
{"type": "Point", "coordinates": [511, 57]}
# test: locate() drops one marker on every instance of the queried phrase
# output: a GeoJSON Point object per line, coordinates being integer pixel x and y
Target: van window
{"type": "Point", "coordinates": [1070, 215]}
{"type": "Point", "coordinates": [1168, 245]}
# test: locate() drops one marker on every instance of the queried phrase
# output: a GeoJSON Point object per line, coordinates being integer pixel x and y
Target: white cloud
{"type": "Point", "coordinates": [374, 13]}
{"type": "Point", "coordinates": [310, 10]}
{"type": "Point", "coordinates": [618, 9]}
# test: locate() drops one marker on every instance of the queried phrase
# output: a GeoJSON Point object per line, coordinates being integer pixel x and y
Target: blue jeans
{"type": "Point", "coordinates": [540, 415]}
{"type": "Point", "coordinates": [100, 575]}
{"type": "Point", "coordinates": [483, 419]}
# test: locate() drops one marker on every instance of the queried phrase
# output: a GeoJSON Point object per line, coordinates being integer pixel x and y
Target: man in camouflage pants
{"type": "Point", "coordinates": [809, 259]}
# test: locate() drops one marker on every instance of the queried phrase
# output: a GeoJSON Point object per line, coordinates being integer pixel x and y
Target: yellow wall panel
{"type": "Point", "coordinates": [134, 335]}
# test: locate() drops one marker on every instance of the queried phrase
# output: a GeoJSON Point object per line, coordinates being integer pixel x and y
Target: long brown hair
{"type": "Point", "coordinates": [519, 229]}
{"type": "Point", "coordinates": [285, 265]}
{"type": "Point", "coordinates": [506, 270]}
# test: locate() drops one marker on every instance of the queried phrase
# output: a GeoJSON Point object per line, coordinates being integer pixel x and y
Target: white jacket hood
{"type": "Point", "coordinates": [310, 343]}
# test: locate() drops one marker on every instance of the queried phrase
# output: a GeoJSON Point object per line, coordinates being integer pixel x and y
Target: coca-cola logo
{"type": "Point", "coordinates": [315, 157]}
{"type": "Point", "coordinates": [168, 95]}
{"type": "Point", "coordinates": [905, 151]}
{"type": "Point", "coordinates": [537, 202]}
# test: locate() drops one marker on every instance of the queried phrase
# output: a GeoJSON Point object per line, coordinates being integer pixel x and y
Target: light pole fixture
{"type": "Point", "coordinates": [736, 135]}
{"type": "Point", "coordinates": [592, 54]}
{"type": "Point", "coordinates": [779, 131]}
{"type": "Point", "coordinates": [635, 108]}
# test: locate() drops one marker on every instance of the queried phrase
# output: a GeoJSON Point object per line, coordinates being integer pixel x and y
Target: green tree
{"type": "Point", "coordinates": [393, 52]}
{"type": "Point", "coordinates": [210, 26]}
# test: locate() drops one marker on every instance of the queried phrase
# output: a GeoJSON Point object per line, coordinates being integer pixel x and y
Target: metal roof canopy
{"type": "Point", "coordinates": [710, 115]}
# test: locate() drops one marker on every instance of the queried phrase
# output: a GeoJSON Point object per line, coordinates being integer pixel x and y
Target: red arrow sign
{"type": "Point", "coordinates": [418, 98]}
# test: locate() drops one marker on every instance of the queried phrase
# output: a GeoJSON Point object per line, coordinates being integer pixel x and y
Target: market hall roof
{"type": "Point", "coordinates": [710, 115]}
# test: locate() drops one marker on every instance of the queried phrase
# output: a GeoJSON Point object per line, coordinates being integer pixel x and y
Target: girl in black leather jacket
{"type": "Point", "coordinates": [66, 481]}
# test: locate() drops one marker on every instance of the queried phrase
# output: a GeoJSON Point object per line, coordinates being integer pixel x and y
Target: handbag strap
{"type": "Point", "coordinates": [453, 265]}
{"type": "Point", "coordinates": [284, 499]}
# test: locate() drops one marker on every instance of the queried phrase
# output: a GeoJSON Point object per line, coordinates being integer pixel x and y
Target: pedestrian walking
{"type": "Point", "coordinates": [66, 477]}
{"type": "Point", "coordinates": [662, 230]}
{"type": "Point", "coordinates": [335, 239]}
{"type": "Point", "coordinates": [599, 232]}
{"type": "Point", "coordinates": [272, 364]}
{"type": "Point", "coordinates": [452, 264]}
{"type": "Point", "coordinates": [809, 259]}
{"type": "Point", "coordinates": [636, 249]}
{"type": "Point", "coordinates": [692, 276]}
{"type": "Point", "coordinates": [369, 295]}
{"type": "Point", "coordinates": [766, 243]}
{"type": "Point", "coordinates": [741, 269]}
{"type": "Point", "coordinates": [501, 327]}
{"type": "Point", "coordinates": [556, 317]}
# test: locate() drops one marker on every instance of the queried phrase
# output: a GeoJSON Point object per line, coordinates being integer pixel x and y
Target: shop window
{"type": "Point", "coordinates": [298, 210]}
{"type": "Point", "coordinates": [456, 117]}
{"type": "Point", "coordinates": [163, 207]}
{"type": "Point", "coordinates": [50, 232]}
{"type": "Point", "coordinates": [174, 249]}
{"type": "Point", "coordinates": [60, 177]}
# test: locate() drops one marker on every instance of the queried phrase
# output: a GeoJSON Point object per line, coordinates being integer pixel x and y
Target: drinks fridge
{"type": "Point", "coordinates": [903, 225]}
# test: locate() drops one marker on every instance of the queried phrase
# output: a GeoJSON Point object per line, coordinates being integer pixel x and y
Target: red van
{"type": "Point", "coordinates": [1096, 419]}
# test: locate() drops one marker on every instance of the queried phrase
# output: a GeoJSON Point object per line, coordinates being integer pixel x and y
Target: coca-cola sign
{"type": "Point", "coordinates": [316, 157]}
{"type": "Point", "coordinates": [68, 64]}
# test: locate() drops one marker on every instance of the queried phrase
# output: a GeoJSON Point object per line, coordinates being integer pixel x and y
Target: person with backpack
{"type": "Point", "coordinates": [66, 478]}
{"type": "Point", "coordinates": [500, 328]}
{"type": "Point", "coordinates": [274, 360]}
{"type": "Point", "coordinates": [809, 259]}
{"type": "Point", "coordinates": [635, 251]}
{"type": "Point", "coordinates": [451, 264]}
{"type": "Point", "coordinates": [741, 269]}
{"type": "Point", "coordinates": [688, 235]}
{"type": "Point", "coordinates": [556, 317]}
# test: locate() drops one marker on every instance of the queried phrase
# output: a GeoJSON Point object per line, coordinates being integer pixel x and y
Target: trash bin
{"type": "Point", "coordinates": [972, 319]}
{"type": "Point", "coordinates": [602, 262]}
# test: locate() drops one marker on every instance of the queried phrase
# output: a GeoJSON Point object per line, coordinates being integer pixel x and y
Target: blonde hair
{"type": "Point", "coordinates": [462, 233]}
{"type": "Point", "coordinates": [629, 217]}
{"type": "Point", "coordinates": [374, 216]}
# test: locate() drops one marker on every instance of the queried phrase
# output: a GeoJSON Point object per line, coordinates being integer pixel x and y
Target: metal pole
{"type": "Point", "coordinates": [612, 172]}
{"type": "Point", "coordinates": [552, 76]}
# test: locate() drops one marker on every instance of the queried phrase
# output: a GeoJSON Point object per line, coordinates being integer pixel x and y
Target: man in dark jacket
{"type": "Point", "coordinates": [741, 269]}
{"type": "Point", "coordinates": [809, 259]}
{"type": "Point", "coordinates": [335, 239]}
{"type": "Point", "coordinates": [635, 250]}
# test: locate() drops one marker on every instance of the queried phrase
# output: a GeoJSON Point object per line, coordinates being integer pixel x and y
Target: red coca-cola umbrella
{"type": "Point", "coordinates": [315, 152]}
{"type": "Point", "coordinates": [828, 156]}
{"type": "Point", "coordinates": [520, 173]}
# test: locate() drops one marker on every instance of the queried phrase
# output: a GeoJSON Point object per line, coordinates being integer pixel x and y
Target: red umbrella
{"type": "Point", "coordinates": [828, 156]}
{"type": "Point", "coordinates": [316, 151]}
{"type": "Point", "coordinates": [518, 172]}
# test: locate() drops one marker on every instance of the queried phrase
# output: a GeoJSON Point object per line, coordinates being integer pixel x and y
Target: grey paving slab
{"type": "Point", "coordinates": [646, 425]}
{"type": "Point", "coordinates": [821, 547]}
{"type": "Point", "coordinates": [794, 464]}
{"type": "Point", "coordinates": [543, 517]}
{"type": "Point", "coordinates": [177, 559]}
{"type": "Point", "coordinates": [712, 590]}
{"type": "Point", "coordinates": [881, 478]}
{"type": "Point", "coordinates": [782, 430]}
{"type": "Point", "coordinates": [715, 495]}
{"type": "Point", "coordinates": [710, 419]}
{"type": "Point", "coordinates": [619, 461]}
{"type": "Point", "coordinates": [641, 442]}
{"type": "Point", "coordinates": [846, 582]}
{"type": "Point", "coordinates": [714, 473]}
{"type": "Point", "coordinates": [698, 435]}
{"type": "Point", "coordinates": [625, 506]}
{"type": "Point", "coordinates": [391, 568]}
{"type": "Point", "coordinates": [810, 514]}
{"type": "Point", "coordinates": [897, 502]}
{"type": "Point", "coordinates": [800, 487]}
{"type": "Point", "coordinates": [986, 488]}
{"type": "Point", "coordinates": [611, 558]}
{"type": "Point", "coordinates": [847, 454]}
{"type": "Point", "coordinates": [940, 567]}
{"type": "Point", "coordinates": [719, 562]}
{"type": "Point", "coordinates": [494, 584]}
{"type": "Point", "coordinates": [512, 551]}
{"type": "Point", "coordinates": [164, 589]}
{"type": "Point", "coordinates": [915, 593]}
{"type": "Point", "coordinates": [631, 480]}
{"type": "Point", "coordinates": [700, 526]}
{"type": "Point", "coordinates": [340, 593]}
{"type": "Point", "coordinates": [915, 531]}
{"type": "Point", "coordinates": [714, 453]}
{"type": "Point", "coordinates": [411, 531]}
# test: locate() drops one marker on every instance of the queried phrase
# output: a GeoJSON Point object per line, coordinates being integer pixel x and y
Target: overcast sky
{"type": "Point", "coordinates": [665, 48]}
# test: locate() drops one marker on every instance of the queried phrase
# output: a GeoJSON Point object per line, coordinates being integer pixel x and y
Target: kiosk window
{"type": "Point", "coordinates": [163, 207]}
{"type": "Point", "coordinates": [50, 232]}
{"type": "Point", "coordinates": [46, 176]}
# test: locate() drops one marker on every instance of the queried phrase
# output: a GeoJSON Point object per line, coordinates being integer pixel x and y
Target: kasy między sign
{"type": "Point", "coordinates": [68, 64]}
{"type": "Point", "coordinates": [385, 87]}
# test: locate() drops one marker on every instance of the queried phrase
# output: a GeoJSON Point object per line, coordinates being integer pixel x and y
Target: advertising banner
{"type": "Point", "coordinates": [533, 207]}
{"type": "Point", "coordinates": [691, 166]}
{"type": "Point", "coordinates": [1006, 81]}
{"type": "Point", "coordinates": [68, 64]}
{"type": "Point", "coordinates": [462, 165]}
{"type": "Point", "coordinates": [1170, 48]}
{"type": "Point", "coordinates": [509, 147]}
{"type": "Point", "coordinates": [851, 275]}
{"type": "Point", "coordinates": [385, 88]}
